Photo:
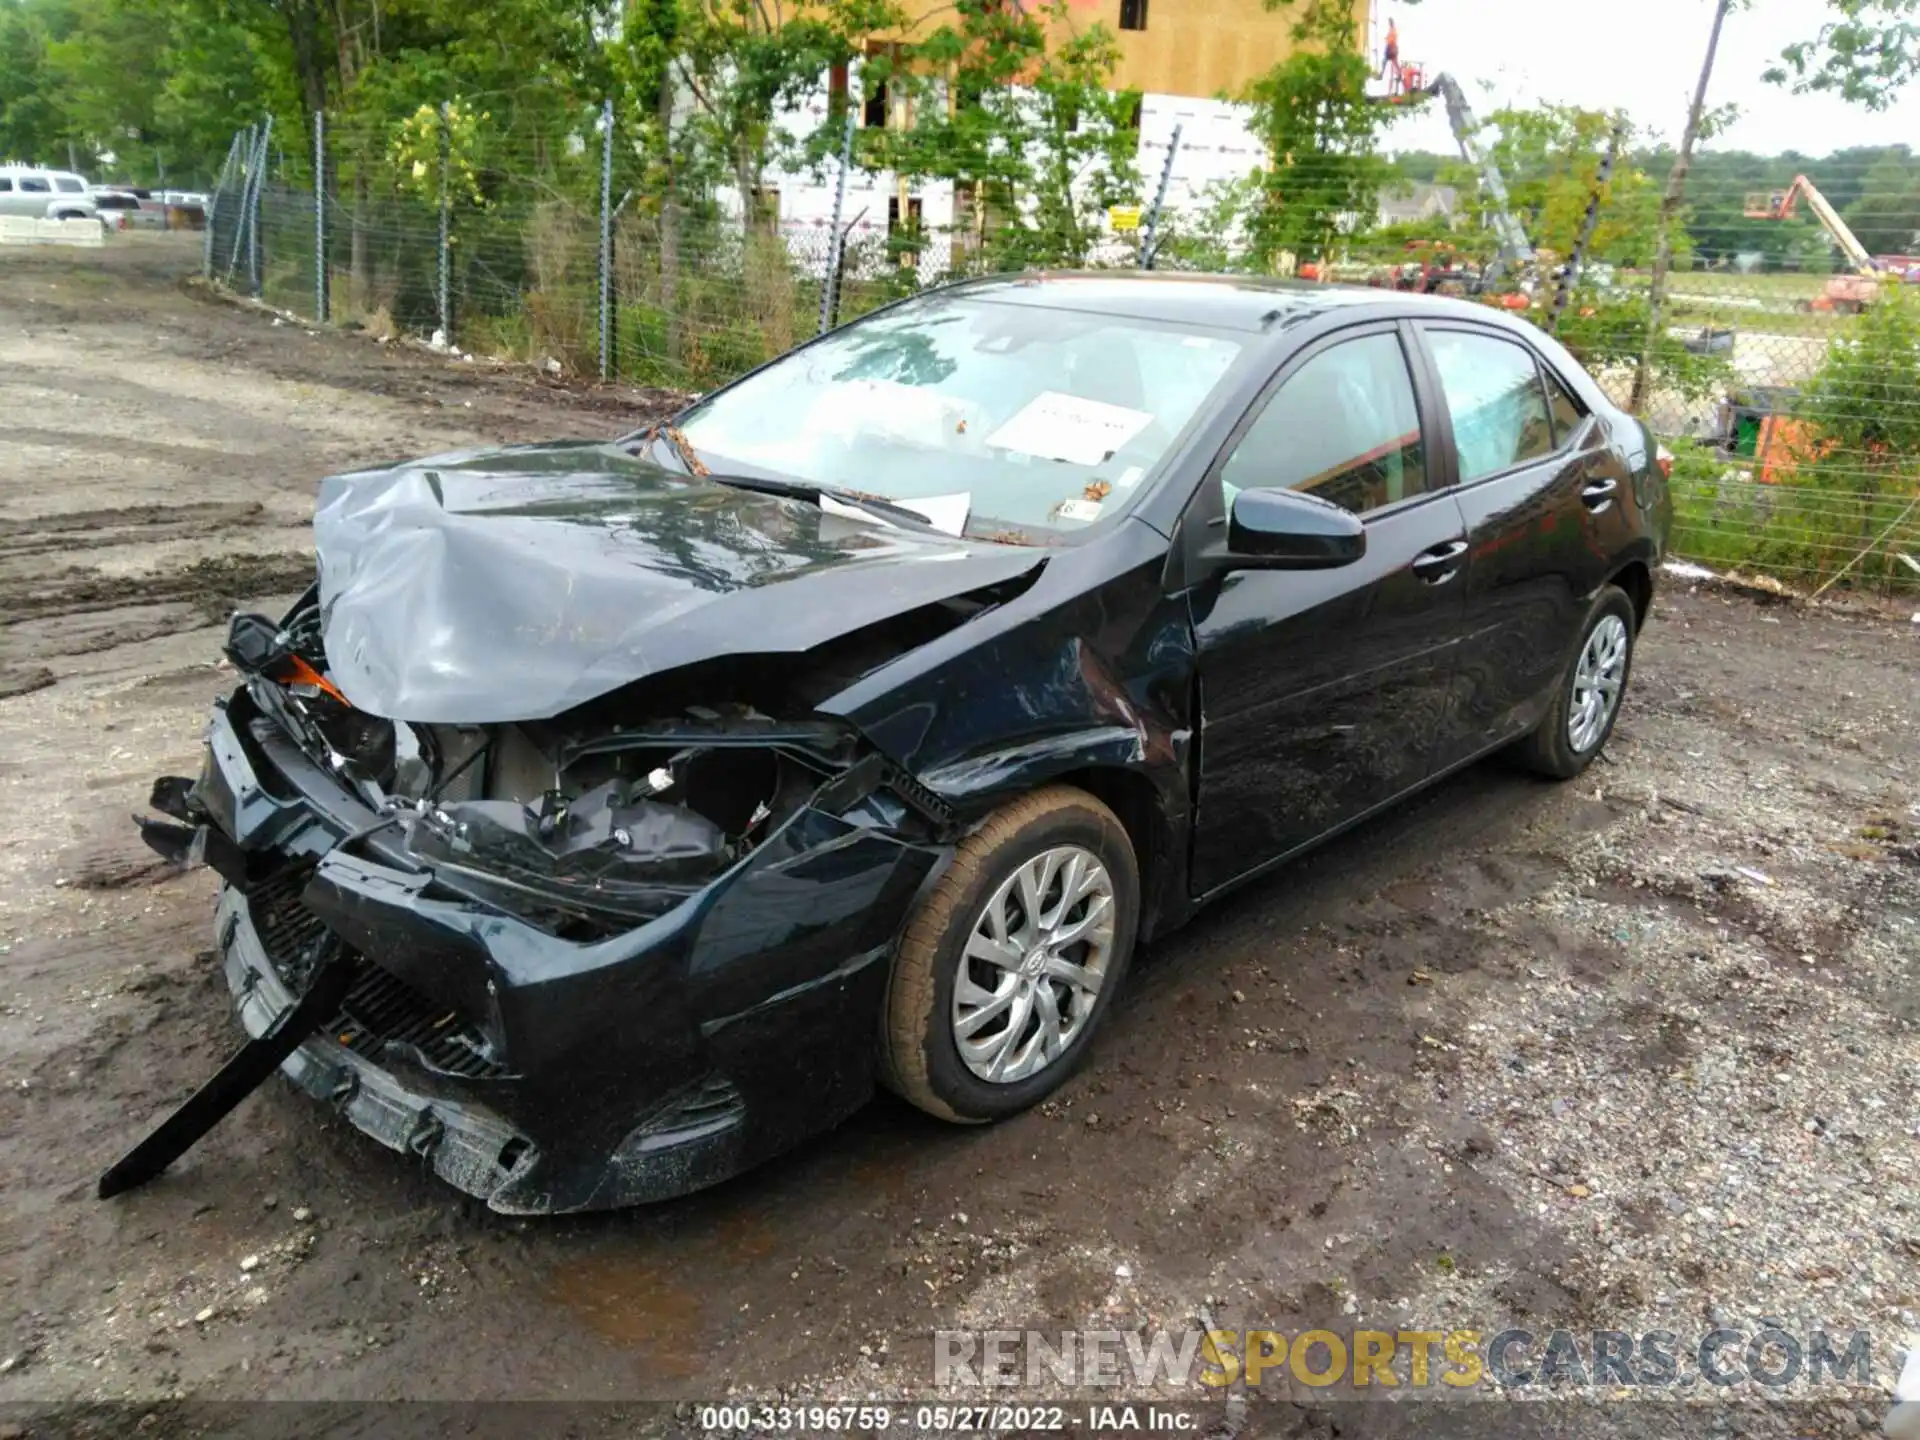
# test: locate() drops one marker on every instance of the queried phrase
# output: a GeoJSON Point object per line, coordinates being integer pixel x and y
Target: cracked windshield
{"type": "Point", "coordinates": [984, 417]}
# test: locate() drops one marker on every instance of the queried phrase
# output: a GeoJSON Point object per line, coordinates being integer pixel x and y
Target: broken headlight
{"type": "Point", "coordinates": [608, 839]}
{"type": "Point", "coordinates": [626, 831]}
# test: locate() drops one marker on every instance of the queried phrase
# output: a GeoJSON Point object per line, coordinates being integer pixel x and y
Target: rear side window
{"type": "Point", "coordinates": [1567, 411]}
{"type": "Point", "coordinates": [67, 186]}
{"type": "Point", "coordinates": [1494, 395]}
{"type": "Point", "coordinates": [34, 185]}
{"type": "Point", "coordinates": [1344, 427]}
{"type": "Point", "coordinates": [6, 185]}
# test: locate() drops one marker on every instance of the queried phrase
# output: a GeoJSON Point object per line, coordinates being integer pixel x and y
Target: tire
{"type": "Point", "coordinates": [1552, 748]}
{"type": "Point", "coordinates": [921, 1058]}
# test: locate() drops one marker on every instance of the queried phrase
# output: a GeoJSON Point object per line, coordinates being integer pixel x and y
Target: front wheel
{"type": "Point", "coordinates": [1587, 702]}
{"type": "Point", "coordinates": [1008, 966]}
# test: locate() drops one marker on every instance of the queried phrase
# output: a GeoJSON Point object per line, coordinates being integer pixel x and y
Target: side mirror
{"type": "Point", "coordinates": [1288, 530]}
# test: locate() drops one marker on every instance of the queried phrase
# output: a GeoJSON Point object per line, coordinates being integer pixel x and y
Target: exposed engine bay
{"type": "Point", "coordinates": [586, 823]}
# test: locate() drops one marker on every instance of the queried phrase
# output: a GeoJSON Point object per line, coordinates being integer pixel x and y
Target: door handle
{"type": "Point", "coordinates": [1441, 563]}
{"type": "Point", "coordinates": [1598, 495]}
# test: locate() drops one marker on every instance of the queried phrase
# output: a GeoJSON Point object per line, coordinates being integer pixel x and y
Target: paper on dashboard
{"type": "Point", "coordinates": [1057, 426]}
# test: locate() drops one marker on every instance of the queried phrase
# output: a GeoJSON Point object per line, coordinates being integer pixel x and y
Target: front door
{"type": "Point", "coordinates": [1321, 692]}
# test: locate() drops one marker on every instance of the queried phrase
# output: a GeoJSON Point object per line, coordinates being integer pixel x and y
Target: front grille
{"type": "Point", "coordinates": [290, 933]}
{"type": "Point", "coordinates": [380, 1006]}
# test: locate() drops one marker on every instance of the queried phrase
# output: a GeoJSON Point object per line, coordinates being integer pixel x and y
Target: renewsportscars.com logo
{"type": "Point", "coordinates": [1372, 1360]}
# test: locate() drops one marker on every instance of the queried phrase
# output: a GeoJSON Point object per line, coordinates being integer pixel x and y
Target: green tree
{"type": "Point", "coordinates": [960, 81]}
{"type": "Point", "coordinates": [745, 62]}
{"type": "Point", "coordinates": [1607, 333]}
{"type": "Point", "coordinates": [1861, 398]}
{"type": "Point", "coordinates": [1211, 234]}
{"type": "Point", "coordinates": [221, 71]}
{"type": "Point", "coordinates": [1550, 157]}
{"type": "Point", "coordinates": [1423, 167]}
{"type": "Point", "coordinates": [156, 83]}
{"type": "Point", "coordinates": [1322, 134]}
{"type": "Point", "coordinates": [652, 121]}
{"type": "Point", "coordinates": [112, 70]}
{"type": "Point", "coordinates": [385, 59]}
{"type": "Point", "coordinates": [1866, 54]}
{"type": "Point", "coordinates": [33, 120]}
{"type": "Point", "coordinates": [1080, 158]}
{"type": "Point", "coordinates": [1011, 104]}
{"type": "Point", "coordinates": [1887, 214]}
{"type": "Point", "coordinates": [1716, 208]}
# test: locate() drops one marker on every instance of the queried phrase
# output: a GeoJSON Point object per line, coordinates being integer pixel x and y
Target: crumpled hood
{"type": "Point", "coordinates": [514, 584]}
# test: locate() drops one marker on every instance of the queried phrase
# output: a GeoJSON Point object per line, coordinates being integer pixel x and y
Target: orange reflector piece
{"type": "Point", "coordinates": [305, 674]}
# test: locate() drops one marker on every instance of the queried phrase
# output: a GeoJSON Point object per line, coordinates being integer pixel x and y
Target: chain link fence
{"type": "Point", "coordinates": [1784, 370]}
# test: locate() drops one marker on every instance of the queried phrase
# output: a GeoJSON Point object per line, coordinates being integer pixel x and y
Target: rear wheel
{"type": "Point", "coordinates": [1008, 966]}
{"type": "Point", "coordinates": [1587, 702]}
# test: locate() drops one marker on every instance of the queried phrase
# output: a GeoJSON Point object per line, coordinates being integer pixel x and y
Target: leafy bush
{"type": "Point", "coordinates": [1846, 468]}
{"type": "Point", "coordinates": [1854, 480]}
{"type": "Point", "coordinates": [1605, 332]}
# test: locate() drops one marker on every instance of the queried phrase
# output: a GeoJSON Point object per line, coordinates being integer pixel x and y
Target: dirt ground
{"type": "Point", "coordinates": [1636, 1050]}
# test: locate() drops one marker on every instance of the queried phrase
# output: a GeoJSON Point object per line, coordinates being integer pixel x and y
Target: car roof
{"type": "Point", "coordinates": [19, 169]}
{"type": "Point", "coordinates": [1253, 304]}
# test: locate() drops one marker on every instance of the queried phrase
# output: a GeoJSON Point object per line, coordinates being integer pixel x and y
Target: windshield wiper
{"type": "Point", "coordinates": [885, 509]}
{"type": "Point", "coordinates": [876, 505]}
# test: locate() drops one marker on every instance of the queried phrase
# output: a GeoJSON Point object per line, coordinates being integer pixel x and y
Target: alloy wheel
{"type": "Point", "coordinates": [1034, 965]}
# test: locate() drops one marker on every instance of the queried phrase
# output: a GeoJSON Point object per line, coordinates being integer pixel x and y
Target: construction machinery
{"type": "Point", "coordinates": [1845, 294]}
{"type": "Point", "coordinates": [1430, 268]}
{"type": "Point", "coordinates": [1514, 253]}
{"type": "Point", "coordinates": [1780, 205]}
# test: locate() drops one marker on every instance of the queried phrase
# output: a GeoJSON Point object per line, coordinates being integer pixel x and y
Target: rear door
{"type": "Point", "coordinates": [1322, 691]}
{"type": "Point", "coordinates": [34, 192]}
{"type": "Point", "coordinates": [1542, 499]}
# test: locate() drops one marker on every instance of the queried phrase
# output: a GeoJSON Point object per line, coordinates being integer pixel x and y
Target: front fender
{"type": "Point", "coordinates": [1088, 675]}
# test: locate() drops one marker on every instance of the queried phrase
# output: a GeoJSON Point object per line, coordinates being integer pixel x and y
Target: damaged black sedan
{"type": "Point", "coordinates": [608, 817]}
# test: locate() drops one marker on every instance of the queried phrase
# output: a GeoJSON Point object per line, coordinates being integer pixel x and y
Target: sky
{"type": "Point", "coordinates": [1641, 54]}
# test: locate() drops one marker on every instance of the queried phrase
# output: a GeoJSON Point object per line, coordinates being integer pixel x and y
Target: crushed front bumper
{"type": "Point", "coordinates": [465, 1144]}
{"type": "Point", "coordinates": [544, 1074]}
